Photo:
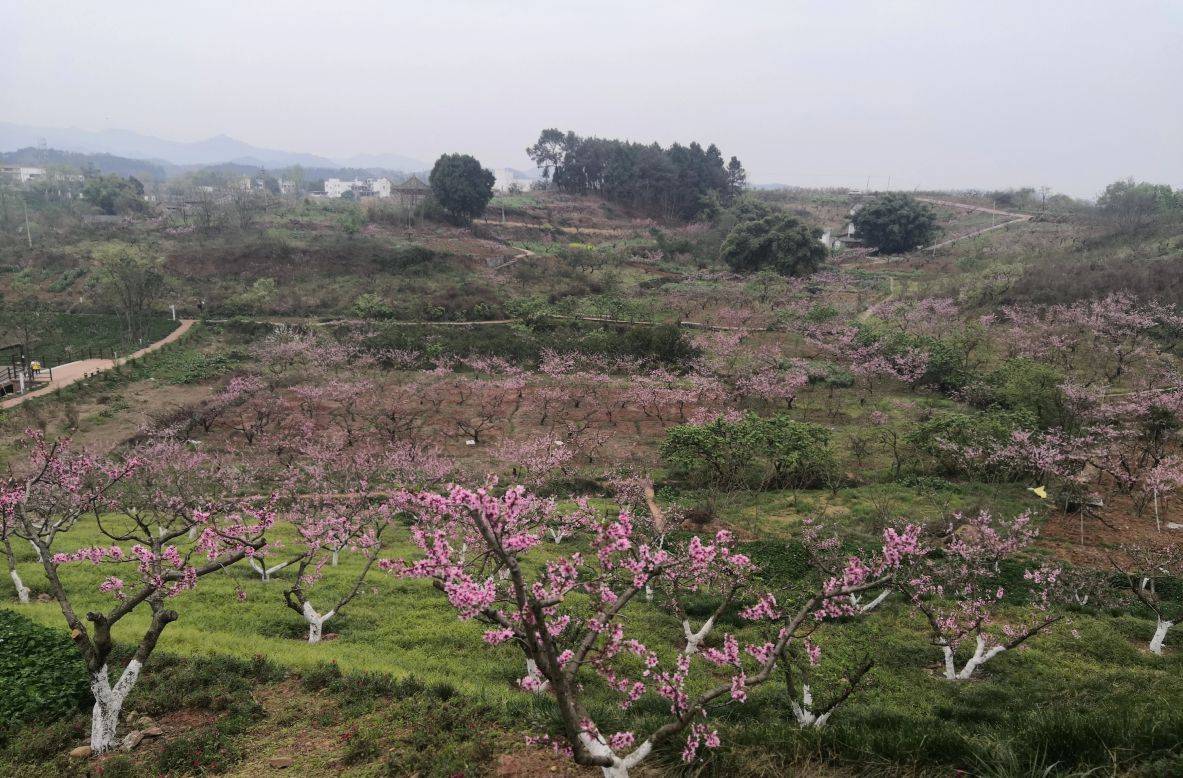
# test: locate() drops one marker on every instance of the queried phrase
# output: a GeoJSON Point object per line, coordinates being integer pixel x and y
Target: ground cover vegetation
{"type": "Point", "coordinates": [610, 505]}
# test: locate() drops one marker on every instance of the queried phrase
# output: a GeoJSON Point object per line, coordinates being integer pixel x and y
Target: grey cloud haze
{"type": "Point", "coordinates": [1070, 95]}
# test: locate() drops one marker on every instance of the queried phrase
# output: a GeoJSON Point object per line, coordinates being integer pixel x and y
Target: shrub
{"type": "Point", "coordinates": [41, 674]}
{"type": "Point", "coordinates": [197, 752]}
{"type": "Point", "coordinates": [941, 442]}
{"type": "Point", "coordinates": [662, 343]}
{"type": "Point", "coordinates": [750, 453]}
{"type": "Point", "coordinates": [895, 223]}
{"type": "Point", "coordinates": [1022, 385]}
{"type": "Point", "coordinates": [778, 242]}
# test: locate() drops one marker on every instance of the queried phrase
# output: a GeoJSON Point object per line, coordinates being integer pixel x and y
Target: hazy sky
{"type": "Point", "coordinates": [933, 94]}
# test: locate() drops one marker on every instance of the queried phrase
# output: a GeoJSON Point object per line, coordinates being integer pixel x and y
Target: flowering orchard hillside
{"type": "Point", "coordinates": [644, 516]}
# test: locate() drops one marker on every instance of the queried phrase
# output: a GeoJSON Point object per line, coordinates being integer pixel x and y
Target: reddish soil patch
{"type": "Point", "coordinates": [1113, 525]}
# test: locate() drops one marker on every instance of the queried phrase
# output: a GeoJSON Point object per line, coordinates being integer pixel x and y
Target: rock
{"type": "Point", "coordinates": [131, 740]}
{"type": "Point", "coordinates": [280, 762]}
{"type": "Point", "coordinates": [82, 752]}
{"type": "Point", "coordinates": [43, 598]}
{"type": "Point", "coordinates": [153, 732]}
{"type": "Point", "coordinates": [145, 722]}
{"type": "Point", "coordinates": [330, 636]}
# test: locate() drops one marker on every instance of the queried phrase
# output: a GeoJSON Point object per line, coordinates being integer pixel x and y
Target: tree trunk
{"type": "Point", "coordinates": [532, 672]}
{"type": "Point", "coordinates": [980, 657]}
{"type": "Point", "coordinates": [694, 638]}
{"type": "Point", "coordinates": [22, 591]}
{"type": "Point", "coordinates": [316, 622]}
{"type": "Point", "coordinates": [1160, 635]}
{"type": "Point", "coordinates": [803, 712]}
{"type": "Point", "coordinates": [620, 766]}
{"type": "Point", "coordinates": [108, 704]}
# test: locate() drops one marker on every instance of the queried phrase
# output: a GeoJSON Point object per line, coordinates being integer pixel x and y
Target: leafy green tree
{"type": "Point", "coordinates": [132, 279]}
{"type": "Point", "coordinates": [776, 452]}
{"type": "Point", "coordinates": [1133, 205]}
{"type": "Point", "coordinates": [352, 220]}
{"type": "Point", "coordinates": [895, 223]}
{"type": "Point", "coordinates": [113, 195]}
{"type": "Point", "coordinates": [777, 241]}
{"type": "Point", "coordinates": [461, 186]}
{"type": "Point", "coordinates": [737, 177]}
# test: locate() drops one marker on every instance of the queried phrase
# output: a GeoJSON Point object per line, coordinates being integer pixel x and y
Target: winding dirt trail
{"type": "Point", "coordinates": [73, 372]}
{"type": "Point", "coordinates": [1015, 218]}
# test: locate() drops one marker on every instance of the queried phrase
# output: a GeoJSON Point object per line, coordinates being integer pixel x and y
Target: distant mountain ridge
{"type": "Point", "coordinates": [211, 151]}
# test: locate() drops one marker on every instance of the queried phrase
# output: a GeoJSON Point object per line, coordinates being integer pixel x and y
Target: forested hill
{"type": "Point", "coordinates": [142, 169]}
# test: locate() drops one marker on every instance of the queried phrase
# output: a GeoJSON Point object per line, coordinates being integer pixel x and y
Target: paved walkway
{"type": "Point", "coordinates": [73, 372]}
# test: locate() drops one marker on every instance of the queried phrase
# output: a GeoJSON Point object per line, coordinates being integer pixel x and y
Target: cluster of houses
{"type": "Point", "coordinates": [410, 192]}
{"type": "Point", "coordinates": [50, 182]}
{"type": "Point", "coordinates": [21, 174]}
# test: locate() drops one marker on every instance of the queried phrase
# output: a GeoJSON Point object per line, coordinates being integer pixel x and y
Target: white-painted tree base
{"type": "Point", "coordinates": [620, 765]}
{"type": "Point", "coordinates": [265, 572]}
{"type": "Point", "coordinates": [867, 607]}
{"type": "Point", "coordinates": [540, 684]}
{"type": "Point", "coordinates": [803, 711]}
{"type": "Point", "coordinates": [22, 591]}
{"type": "Point", "coordinates": [316, 622]}
{"type": "Point", "coordinates": [980, 657]}
{"type": "Point", "coordinates": [693, 639]}
{"type": "Point", "coordinates": [108, 704]}
{"type": "Point", "coordinates": [1160, 635]}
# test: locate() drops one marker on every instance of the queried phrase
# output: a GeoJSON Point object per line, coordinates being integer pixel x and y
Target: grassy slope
{"type": "Point", "coordinates": [1089, 692]}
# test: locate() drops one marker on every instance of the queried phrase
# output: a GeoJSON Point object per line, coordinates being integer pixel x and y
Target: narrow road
{"type": "Point", "coordinates": [1015, 219]}
{"type": "Point", "coordinates": [73, 372]}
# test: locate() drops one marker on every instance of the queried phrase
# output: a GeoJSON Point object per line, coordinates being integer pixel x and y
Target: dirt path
{"type": "Point", "coordinates": [73, 372]}
{"type": "Point", "coordinates": [562, 228]}
{"type": "Point", "coordinates": [1015, 218]}
{"type": "Point", "coordinates": [866, 314]}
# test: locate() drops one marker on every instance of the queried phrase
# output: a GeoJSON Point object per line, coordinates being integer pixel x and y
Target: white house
{"type": "Point", "coordinates": [336, 187]}
{"type": "Point", "coordinates": [27, 174]}
{"type": "Point", "coordinates": [380, 187]}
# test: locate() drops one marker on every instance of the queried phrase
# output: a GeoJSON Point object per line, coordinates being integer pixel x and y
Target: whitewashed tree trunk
{"type": "Point", "coordinates": [867, 607]}
{"type": "Point", "coordinates": [803, 711]}
{"type": "Point", "coordinates": [36, 550]}
{"type": "Point", "coordinates": [108, 703]}
{"type": "Point", "coordinates": [193, 532]}
{"type": "Point", "coordinates": [980, 657]}
{"type": "Point", "coordinates": [22, 591]}
{"type": "Point", "coordinates": [336, 556]}
{"type": "Point", "coordinates": [532, 671]}
{"type": "Point", "coordinates": [620, 765]}
{"type": "Point", "coordinates": [265, 572]}
{"type": "Point", "coordinates": [316, 622]}
{"type": "Point", "coordinates": [1160, 635]}
{"type": "Point", "coordinates": [693, 639]}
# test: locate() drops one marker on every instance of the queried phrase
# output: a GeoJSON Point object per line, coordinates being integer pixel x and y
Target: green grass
{"type": "Point", "coordinates": [1045, 704]}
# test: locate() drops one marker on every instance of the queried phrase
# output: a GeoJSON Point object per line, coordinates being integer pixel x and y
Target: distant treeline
{"type": "Point", "coordinates": [675, 182]}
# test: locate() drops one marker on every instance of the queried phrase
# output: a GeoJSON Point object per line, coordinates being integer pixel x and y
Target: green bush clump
{"type": "Point", "coordinates": [186, 366]}
{"type": "Point", "coordinates": [1022, 385]}
{"type": "Point", "coordinates": [776, 452]}
{"type": "Point", "coordinates": [939, 442]}
{"type": "Point", "coordinates": [42, 676]}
